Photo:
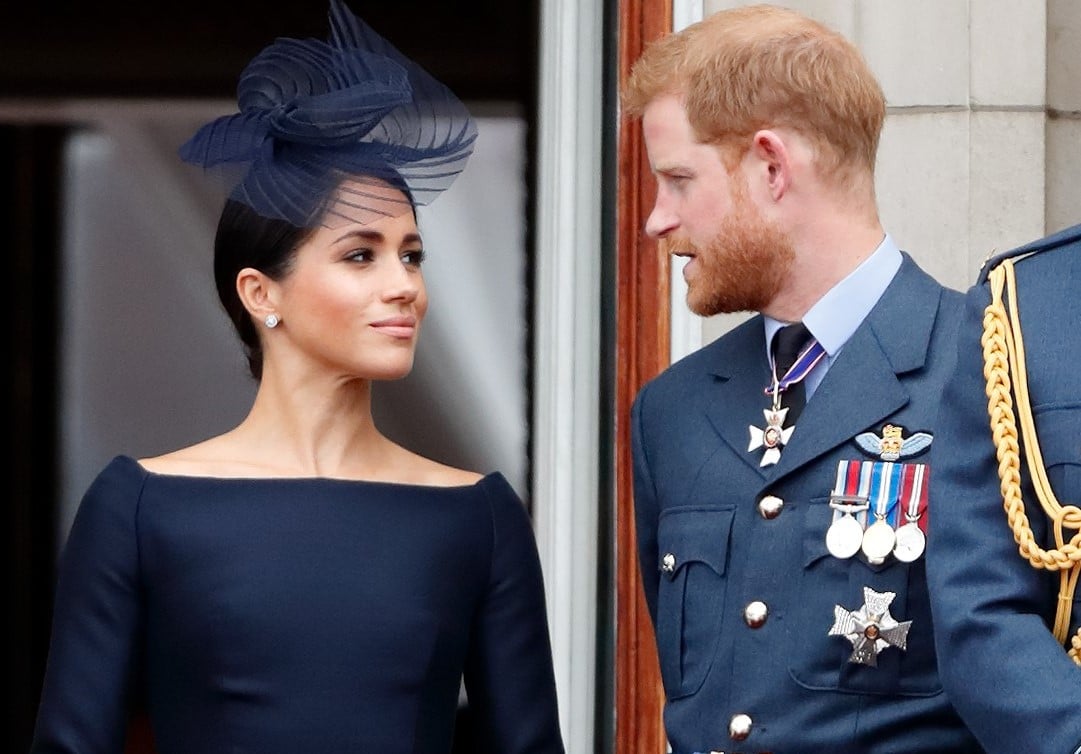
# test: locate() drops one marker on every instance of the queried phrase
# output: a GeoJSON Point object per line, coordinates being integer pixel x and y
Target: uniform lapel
{"type": "Point", "coordinates": [863, 386]}
{"type": "Point", "coordinates": [859, 390]}
{"type": "Point", "coordinates": [740, 371]}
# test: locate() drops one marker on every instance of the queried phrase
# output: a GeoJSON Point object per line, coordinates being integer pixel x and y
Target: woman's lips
{"type": "Point", "coordinates": [402, 328]}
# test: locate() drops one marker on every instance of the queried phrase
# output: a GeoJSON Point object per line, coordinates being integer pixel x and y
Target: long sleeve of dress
{"type": "Point", "coordinates": [96, 624]}
{"type": "Point", "coordinates": [509, 677]}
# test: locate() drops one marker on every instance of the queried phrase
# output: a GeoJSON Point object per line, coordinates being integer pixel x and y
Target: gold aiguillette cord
{"type": "Point", "coordinates": [1003, 356]}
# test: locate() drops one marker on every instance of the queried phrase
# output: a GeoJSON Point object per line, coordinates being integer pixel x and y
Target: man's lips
{"type": "Point", "coordinates": [678, 247]}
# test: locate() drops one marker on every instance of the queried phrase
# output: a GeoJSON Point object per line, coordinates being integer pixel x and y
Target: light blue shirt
{"type": "Point", "coordinates": [836, 315]}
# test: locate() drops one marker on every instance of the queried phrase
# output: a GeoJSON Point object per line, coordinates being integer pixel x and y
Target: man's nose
{"type": "Point", "coordinates": [661, 221]}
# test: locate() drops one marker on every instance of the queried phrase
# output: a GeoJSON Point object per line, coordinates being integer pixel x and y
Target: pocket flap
{"type": "Point", "coordinates": [689, 535]}
{"type": "Point", "coordinates": [1057, 431]}
{"type": "Point", "coordinates": [816, 521]}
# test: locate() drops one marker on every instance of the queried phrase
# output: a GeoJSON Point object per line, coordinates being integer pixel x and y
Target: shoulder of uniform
{"type": "Point", "coordinates": [1068, 237]}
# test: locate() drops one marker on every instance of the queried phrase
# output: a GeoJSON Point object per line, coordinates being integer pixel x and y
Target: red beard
{"type": "Point", "coordinates": [742, 268]}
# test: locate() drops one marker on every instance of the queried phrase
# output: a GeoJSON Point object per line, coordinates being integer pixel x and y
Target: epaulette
{"type": "Point", "coordinates": [1065, 237]}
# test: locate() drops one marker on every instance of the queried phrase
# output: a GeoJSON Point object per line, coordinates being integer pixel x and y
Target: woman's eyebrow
{"type": "Point", "coordinates": [375, 236]}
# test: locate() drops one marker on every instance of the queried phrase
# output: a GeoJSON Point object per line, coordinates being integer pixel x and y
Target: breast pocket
{"type": "Point", "coordinates": [1058, 429]}
{"type": "Point", "coordinates": [693, 552]}
{"type": "Point", "coordinates": [826, 583]}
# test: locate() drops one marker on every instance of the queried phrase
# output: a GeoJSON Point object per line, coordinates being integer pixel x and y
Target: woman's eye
{"type": "Point", "coordinates": [362, 255]}
{"type": "Point", "coordinates": [414, 258]}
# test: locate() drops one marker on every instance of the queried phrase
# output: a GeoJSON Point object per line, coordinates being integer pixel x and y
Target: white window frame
{"type": "Point", "coordinates": [567, 348]}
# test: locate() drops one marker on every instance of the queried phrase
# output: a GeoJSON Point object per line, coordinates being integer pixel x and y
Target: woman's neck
{"type": "Point", "coordinates": [314, 427]}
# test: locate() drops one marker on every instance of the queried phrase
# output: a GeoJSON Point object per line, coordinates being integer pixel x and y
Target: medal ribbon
{"type": "Point", "coordinates": [917, 501]}
{"type": "Point", "coordinates": [840, 487]}
{"type": "Point", "coordinates": [908, 487]}
{"type": "Point", "coordinates": [807, 360]}
{"type": "Point", "coordinates": [853, 479]}
{"type": "Point", "coordinates": [885, 486]}
{"type": "Point", "coordinates": [914, 495]}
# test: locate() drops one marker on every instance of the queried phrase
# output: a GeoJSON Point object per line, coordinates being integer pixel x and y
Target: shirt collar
{"type": "Point", "coordinates": [836, 315]}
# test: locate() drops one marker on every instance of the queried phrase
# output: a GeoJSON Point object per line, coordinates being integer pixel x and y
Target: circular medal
{"type": "Point", "coordinates": [771, 438]}
{"type": "Point", "coordinates": [878, 541]}
{"type": "Point", "coordinates": [911, 543]}
{"type": "Point", "coordinates": [844, 536]}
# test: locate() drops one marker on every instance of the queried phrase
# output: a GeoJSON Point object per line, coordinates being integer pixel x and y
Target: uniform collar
{"type": "Point", "coordinates": [836, 315]}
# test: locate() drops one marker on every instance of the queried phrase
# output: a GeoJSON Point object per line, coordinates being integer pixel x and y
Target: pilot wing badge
{"type": "Point", "coordinates": [893, 445]}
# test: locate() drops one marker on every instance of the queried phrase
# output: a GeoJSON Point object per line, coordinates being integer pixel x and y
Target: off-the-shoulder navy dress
{"type": "Point", "coordinates": [259, 616]}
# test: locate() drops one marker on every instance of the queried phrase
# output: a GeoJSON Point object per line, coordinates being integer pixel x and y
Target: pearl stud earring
{"type": "Point", "coordinates": [271, 321]}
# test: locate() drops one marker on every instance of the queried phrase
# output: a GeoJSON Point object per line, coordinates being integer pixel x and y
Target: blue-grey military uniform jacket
{"type": "Point", "coordinates": [1009, 678]}
{"type": "Point", "coordinates": [707, 549]}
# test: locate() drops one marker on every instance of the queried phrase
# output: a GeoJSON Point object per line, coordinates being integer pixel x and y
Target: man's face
{"type": "Point", "coordinates": [738, 260]}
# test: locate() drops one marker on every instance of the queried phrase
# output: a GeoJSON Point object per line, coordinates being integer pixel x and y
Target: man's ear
{"type": "Point", "coordinates": [770, 149]}
{"type": "Point", "coordinates": [258, 293]}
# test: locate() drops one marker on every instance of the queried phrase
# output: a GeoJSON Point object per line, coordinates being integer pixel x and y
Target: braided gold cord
{"type": "Point", "coordinates": [1003, 353]}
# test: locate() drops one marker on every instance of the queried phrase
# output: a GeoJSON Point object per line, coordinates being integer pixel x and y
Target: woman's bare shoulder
{"type": "Point", "coordinates": [214, 457]}
{"type": "Point", "coordinates": [426, 471]}
{"type": "Point", "coordinates": [227, 456]}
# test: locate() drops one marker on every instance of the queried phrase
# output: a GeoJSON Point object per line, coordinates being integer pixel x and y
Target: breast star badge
{"type": "Point", "coordinates": [871, 629]}
{"type": "Point", "coordinates": [893, 445]}
{"type": "Point", "coordinates": [773, 437]}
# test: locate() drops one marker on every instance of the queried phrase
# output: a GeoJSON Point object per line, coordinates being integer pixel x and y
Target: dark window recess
{"type": "Point", "coordinates": [483, 49]}
{"type": "Point", "coordinates": [30, 222]}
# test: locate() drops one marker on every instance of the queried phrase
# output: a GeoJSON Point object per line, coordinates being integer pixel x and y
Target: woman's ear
{"type": "Point", "coordinates": [259, 295]}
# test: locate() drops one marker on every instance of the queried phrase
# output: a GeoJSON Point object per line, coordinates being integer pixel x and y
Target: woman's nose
{"type": "Point", "coordinates": [404, 283]}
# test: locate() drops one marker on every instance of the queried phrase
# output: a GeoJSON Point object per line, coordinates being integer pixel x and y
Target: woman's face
{"type": "Point", "coordinates": [354, 299]}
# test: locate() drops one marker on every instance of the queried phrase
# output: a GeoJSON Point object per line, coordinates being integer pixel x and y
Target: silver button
{"type": "Point", "coordinates": [668, 563]}
{"type": "Point", "coordinates": [755, 614]}
{"type": "Point", "coordinates": [740, 727]}
{"type": "Point", "coordinates": [770, 506]}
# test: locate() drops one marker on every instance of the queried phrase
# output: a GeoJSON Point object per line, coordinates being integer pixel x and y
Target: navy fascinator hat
{"type": "Point", "coordinates": [324, 128]}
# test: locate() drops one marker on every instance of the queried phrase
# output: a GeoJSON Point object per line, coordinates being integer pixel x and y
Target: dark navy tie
{"type": "Point", "coordinates": [787, 344]}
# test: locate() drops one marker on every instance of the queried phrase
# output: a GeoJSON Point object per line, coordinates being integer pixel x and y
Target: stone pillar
{"type": "Point", "coordinates": [1063, 114]}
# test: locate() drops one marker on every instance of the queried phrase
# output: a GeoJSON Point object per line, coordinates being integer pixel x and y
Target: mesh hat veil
{"type": "Point", "coordinates": [324, 127]}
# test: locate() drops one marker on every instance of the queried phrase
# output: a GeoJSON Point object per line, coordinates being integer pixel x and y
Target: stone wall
{"type": "Point", "coordinates": [982, 145]}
